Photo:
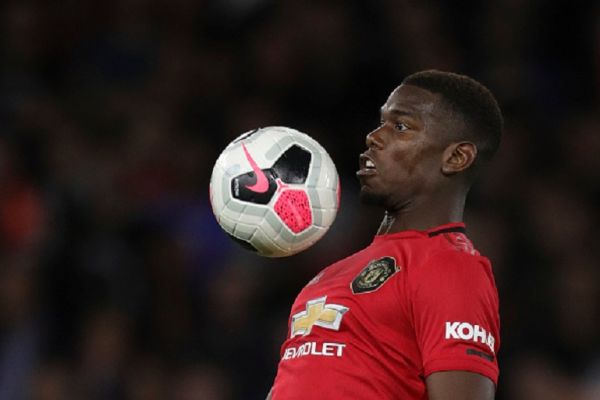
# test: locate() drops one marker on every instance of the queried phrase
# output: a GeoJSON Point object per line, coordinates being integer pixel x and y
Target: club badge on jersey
{"type": "Point", "coordinates": [374, 275]}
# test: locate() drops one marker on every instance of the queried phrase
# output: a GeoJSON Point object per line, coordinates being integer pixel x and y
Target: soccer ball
{"type": "Point", "coordinates": [275, 191]}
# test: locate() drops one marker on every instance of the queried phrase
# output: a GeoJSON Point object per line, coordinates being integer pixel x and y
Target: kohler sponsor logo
{"type": "Point", "coordinates": [469, 332]}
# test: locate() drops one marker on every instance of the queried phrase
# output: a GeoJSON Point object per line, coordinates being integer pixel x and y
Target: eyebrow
{"type": "Point", "coordinates": [398, 112]}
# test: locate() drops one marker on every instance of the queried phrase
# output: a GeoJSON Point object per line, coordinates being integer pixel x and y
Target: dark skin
{"type": "Point", "coordinates": [421, 179]}
{"type": "Point", "coordinates": [418, 162]}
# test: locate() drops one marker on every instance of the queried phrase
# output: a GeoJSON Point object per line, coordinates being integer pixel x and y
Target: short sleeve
{"type": "Point", "coordinates": [455, 314]}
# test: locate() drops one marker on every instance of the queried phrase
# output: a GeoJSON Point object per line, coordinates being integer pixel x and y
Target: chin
{"type": "Point", "coordinates": [370, 198]}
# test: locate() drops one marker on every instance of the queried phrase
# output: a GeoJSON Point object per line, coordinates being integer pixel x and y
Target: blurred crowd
{"type": "Point", "coordinates": [117, 283]}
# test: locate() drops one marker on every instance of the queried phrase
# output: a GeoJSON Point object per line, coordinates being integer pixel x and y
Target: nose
{"type": "Point", "coordinates": [374, 139]}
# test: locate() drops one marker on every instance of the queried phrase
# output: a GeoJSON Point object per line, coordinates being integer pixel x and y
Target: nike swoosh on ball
{"type": "Point", "coordinates": [262, 183]}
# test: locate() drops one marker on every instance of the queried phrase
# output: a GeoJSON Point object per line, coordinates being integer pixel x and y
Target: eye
{"type": "Point", "coordinates": [400, 126]}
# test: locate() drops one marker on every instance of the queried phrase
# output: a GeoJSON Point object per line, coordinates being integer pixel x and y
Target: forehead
{"type": "Point", "coordinates": [411, 100]}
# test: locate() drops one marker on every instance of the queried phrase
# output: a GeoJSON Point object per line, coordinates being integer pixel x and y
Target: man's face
{"type": "Point", "coordinates": [404, 157]}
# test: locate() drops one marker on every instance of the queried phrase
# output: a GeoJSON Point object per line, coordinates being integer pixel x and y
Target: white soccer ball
{"type": "Point", "coordinates": [275, 190]}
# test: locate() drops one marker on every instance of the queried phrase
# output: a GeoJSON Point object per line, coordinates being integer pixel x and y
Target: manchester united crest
{"type": "Point", "coordinates": [374, 275]}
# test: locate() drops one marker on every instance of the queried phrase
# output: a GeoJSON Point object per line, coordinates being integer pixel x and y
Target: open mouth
{"type": "Point", "coordinates": [366, 165]}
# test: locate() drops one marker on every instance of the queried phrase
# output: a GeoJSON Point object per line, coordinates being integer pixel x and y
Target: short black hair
{"type": "Point", "coordinates": [472, 101]}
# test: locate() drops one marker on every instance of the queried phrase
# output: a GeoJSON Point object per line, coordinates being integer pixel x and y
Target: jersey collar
{"type": "Point", "coordinates": [446, 228]}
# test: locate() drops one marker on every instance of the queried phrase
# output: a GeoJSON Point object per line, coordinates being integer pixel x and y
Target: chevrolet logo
{"type": "Point", "coordinates": [317, 314]}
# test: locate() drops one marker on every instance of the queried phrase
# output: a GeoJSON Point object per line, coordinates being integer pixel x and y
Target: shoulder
{"type": "Point", "coordinates": [451, 252]}
{"type": "Point", "coordinates": [453, 270]}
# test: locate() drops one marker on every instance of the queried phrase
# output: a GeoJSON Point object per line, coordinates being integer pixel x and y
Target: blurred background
{"type": "Point", "coordinates": [116, 282]}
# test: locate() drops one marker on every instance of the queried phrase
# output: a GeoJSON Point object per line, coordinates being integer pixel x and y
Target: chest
{"type": "Point", "coordinates": [365, 289]}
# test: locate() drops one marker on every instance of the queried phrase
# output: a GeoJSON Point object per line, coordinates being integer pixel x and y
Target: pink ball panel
{"type": "Point", "coordinates": [293, 208]}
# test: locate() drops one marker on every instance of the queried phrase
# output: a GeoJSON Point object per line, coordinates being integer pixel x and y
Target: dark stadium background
{"type": "Point", "coordinates": [116, 282]}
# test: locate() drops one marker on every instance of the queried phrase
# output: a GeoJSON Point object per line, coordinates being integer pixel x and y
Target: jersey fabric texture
{"type": "Point", "coordinates": [376, 324]}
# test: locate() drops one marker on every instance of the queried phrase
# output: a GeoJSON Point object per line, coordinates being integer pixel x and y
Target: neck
{"type": "Point", "coordinates": [420, 214]}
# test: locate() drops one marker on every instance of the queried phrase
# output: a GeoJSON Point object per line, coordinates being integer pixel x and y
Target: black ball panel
{"type": "Point", "coordinates": [240, 190]}
{"type": "Point", "coordinates": [293, 165]}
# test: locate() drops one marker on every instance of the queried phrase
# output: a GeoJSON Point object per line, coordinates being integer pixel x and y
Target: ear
{"type": "Point", "coordinates": [458, 157]}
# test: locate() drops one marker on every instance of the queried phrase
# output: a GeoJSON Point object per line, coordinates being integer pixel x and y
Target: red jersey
{"type": "Point", "coordinates": [376, 324]}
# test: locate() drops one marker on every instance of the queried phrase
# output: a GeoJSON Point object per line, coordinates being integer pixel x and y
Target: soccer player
{"type": "Point", "coordinates": [415, 314]}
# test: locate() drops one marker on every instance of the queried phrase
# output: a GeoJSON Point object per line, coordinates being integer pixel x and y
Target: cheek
{"type": "Point", "coordinates": [418, 162]}
{"type": "Point", "coordinates": [410, 162]}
